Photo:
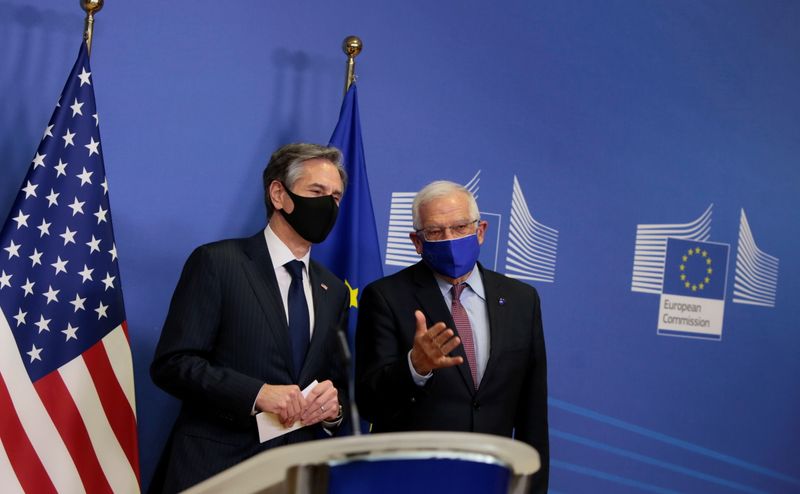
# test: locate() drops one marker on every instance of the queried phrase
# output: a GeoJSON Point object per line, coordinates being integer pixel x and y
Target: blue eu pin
{"type": "Point", "coordinates": [501, 301]}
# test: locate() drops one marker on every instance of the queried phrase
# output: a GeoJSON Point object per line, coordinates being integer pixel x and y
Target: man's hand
{"type": "Point", "coordinates": [285, 401]}
{"type": "Point", "coordinates": [432, 346]}
{"type": "Point", "coordinates": [322, 403]}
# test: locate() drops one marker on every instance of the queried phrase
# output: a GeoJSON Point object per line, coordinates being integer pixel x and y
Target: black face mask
{"type": "Point", "coordinates": [312, 217]}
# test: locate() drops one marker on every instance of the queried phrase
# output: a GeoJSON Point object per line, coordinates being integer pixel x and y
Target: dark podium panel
{"type": "Point", "coordinates": [416, 462]}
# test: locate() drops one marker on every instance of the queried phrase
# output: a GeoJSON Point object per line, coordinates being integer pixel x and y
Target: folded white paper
{"type": "Point", "coordinates": [270, 426]}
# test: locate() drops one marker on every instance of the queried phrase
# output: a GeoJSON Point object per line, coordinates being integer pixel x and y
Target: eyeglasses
{"type": "Point", "coordinates": [440, 232]}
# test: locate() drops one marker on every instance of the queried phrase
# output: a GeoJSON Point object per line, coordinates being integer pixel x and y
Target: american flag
{"type": "Point", "coordinates": [66, 374]}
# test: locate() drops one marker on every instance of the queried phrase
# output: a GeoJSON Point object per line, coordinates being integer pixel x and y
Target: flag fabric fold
{"type": "Point", "coordinates": [66, 372]}
{"type": "Point", "coordinates": [351, 250]}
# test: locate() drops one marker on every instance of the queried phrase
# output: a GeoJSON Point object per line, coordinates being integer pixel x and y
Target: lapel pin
{"type": "Point", "coordinates": [501, 301]}
{"type": "Point", "coordinates": [323, 286]}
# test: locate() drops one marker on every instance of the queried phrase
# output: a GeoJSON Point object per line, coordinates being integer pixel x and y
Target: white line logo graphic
{"type": "Point", "coordinates": [651, 249]}
{"type": "Point", "coordinates": [399, 248]}
{"type": "Point", "coordinates": [756, 278]}
{"type": "Point", "coordinates": [532, 246]}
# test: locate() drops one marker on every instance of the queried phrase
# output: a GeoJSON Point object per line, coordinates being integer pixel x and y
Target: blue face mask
{"type": "Point", "coordinates": [453, 258]}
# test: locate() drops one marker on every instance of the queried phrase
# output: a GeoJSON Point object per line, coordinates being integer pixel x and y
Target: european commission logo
{"type": "Point", "coordinates": [531, 247]}
{"type": "Point", "coordinates": [690, 273]}
{"type": "Point", "coordinates": [693, 296]}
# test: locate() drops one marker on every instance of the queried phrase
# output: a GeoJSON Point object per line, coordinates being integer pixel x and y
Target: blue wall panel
{"type": "Point", "coordinates": [610, 115]}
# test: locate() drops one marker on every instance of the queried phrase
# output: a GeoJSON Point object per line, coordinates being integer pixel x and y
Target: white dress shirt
{"type": "Point", "coordinates": [280, 255]}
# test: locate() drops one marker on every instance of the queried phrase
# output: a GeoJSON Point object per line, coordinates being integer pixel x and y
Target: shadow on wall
{"type": "Point", "coordinates": [300, 99]}
{"type": "Point", "coordinates": [27, 37]}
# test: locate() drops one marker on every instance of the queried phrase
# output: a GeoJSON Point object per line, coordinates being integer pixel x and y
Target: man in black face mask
{"type": "Point", "coordinates": [449, 345]}
{"type": "Point", "coordinates": [253, 322]}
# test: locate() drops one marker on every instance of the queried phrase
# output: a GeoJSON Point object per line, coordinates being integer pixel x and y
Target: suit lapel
{"type": "Point", "coordinates": [261, 275]}
{"type": "Point", "coordinates": [498, 317]}
{"type": "Point", "coordinates": [322, 317]}
{"type": "Point", "coordinates": [434, 307]}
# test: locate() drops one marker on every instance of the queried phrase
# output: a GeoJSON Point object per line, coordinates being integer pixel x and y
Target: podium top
{"type": "Point", "coordinates": [270, 467]}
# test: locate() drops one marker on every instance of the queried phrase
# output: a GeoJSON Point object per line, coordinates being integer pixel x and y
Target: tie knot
{"type": "Point", "coordinates": [295, 269]}
{"type": "Point", "coordinates": [457, 289]}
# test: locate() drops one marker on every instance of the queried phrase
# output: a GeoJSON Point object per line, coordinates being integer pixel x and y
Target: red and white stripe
{"type": "Point", "coordinates": [73, 430]}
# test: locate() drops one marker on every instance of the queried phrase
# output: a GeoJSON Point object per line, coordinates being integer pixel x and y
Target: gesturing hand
{"type": "Point", "coordinates": [286, 401]}
{"type": "Point", "coordinates": [432, 346]}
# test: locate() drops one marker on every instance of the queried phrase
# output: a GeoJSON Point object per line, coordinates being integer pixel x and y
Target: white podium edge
{"type": "Point", "coordinates": [270, 468]}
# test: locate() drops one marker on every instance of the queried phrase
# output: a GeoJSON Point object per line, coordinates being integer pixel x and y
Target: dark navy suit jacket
{"type": "Point", "coordinates": [512, 397]}
{"type": "Point", "coordinates": [224, 337]}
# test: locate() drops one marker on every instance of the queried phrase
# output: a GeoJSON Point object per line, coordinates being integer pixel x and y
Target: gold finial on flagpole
{"type": "Point", "coordinates": [91, 7]}
{"type": "Point", "coordinates": [351, 46]}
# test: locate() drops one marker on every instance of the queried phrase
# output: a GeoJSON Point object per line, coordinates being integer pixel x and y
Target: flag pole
{"type": "Point", "coordinates": [91, 7]}
{"type": "Point", "coordinates": [351, 46]}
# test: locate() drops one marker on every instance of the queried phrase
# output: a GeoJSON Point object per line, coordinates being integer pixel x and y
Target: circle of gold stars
{"type": "Point", "coordinates": [695, 285]}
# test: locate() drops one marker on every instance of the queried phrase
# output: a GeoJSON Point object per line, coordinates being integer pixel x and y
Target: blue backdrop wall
{"type": "Point", "coordinates": [590, 131]}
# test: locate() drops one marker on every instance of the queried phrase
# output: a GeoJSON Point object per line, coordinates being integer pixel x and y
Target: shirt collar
{"type": "Point", "coordinates": [279, 252]}
{"type": "Point", "coordinates": [474, 282]}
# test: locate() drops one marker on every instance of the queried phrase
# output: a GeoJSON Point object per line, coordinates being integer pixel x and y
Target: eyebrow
{"type": "Point", "coordinates": [324, 187]}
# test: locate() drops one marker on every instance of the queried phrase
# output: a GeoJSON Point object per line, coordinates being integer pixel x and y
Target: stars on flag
{"type": "Point", "coordinates": [70, 332]}
{"type": "Point", "coordinates": [85, 77]}
{"type": "Point", "coordinates": [38, 160]}
{"type": "Point", "coordinates": [61, 169]}
{"type": "Point", "coordinates": [92, 146]}
{"type": "Point", "coordinates": [86, 274]}
{"type": "Point", "coordinates": [28, 287]}
{"type": "Point", "coordinates": [12, 249]}
{"type": "Point", "coordinates": [43, 324]}
{"type": "Point", "coordinates": [36, 257]}
{"type": "Point", "coordinates": [76, 108]}
{"type": "Point", "coordinates": [44, 228]}
{"type": "Point", "coordinates": [58, 240]}
{"type": "Point", "coordinates": [5, 280]}
{"type": "Point", "coordinates": [60, 265]}
{"type": "Point", "coordinates": [68, 139]}
{"type": "Point", "coordinates": [77, 206]}
{"type": "Point", "coordinates": [94, 245]}
{"type": "Point", "coordinates": [68, 236]}
{"type": "Point", "coordinates": [85, 176]}
{"type": "Point", "coordinates": [30, 189]}
{"type": "Point", "coordinates": [20, 317]}
{"type": "Point", "coordinates": [21, 219]}
{"type": "Point", "coordinates": [51, 295]}
{"type": "Point", "coordinates": [63, 314]}
{"type": "Point", "coordinates": [34, 353]}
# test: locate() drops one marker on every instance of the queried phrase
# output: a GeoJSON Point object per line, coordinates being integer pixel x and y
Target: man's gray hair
{"type": "Point", "coordinates": [437, 189]}
{"type": "Point", "coordinates": [286, 165]}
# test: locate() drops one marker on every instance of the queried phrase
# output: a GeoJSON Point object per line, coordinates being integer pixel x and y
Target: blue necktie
{"type": "Point", "coordinates": [298, 315]}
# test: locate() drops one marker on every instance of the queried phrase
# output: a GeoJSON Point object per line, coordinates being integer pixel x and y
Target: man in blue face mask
{"type": "Point", "coordinates": [449, 345]}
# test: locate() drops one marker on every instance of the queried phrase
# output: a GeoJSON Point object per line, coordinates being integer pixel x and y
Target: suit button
{"type": "Point", "coordinates": [476, 405]}
{"type": "Point", "coordinates": [413, 400]}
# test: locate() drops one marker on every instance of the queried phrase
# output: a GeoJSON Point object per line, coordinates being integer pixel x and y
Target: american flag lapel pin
{"type": "Point", "coordinates": [323, 286]}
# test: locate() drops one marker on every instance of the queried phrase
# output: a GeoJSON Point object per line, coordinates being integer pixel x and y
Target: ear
{"type": "Point", "coordinates": [280, 199]}
{"type": "Point", "coordinates": [417, 240]}
{"type": "Point", "coordinates": [483, 225]}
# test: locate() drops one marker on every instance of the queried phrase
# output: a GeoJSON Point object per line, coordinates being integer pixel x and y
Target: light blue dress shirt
{"type": "Point", "coordinates": [473, 298]}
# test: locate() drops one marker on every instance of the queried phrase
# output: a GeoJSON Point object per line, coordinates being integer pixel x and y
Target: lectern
{"type": "Point", "coordinates": [412, 462]}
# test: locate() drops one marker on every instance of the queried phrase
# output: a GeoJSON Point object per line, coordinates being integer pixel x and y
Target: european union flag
{"type": "Point", "coordinates": [351, 250]}
{"type": "Point", "coordinates": [695, 269]}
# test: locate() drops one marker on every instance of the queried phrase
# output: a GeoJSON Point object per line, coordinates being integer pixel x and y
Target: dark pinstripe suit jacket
{"type": "Point", "coordinates": [225, 335]}
{"type": "Point", "coordinates": [512, 397]}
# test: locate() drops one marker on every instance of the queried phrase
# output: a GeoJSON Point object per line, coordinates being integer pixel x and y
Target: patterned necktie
{"type": "Point", "coordinates": [298, 315]}
{"type": "Point", "coordinates": [464, 329]}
